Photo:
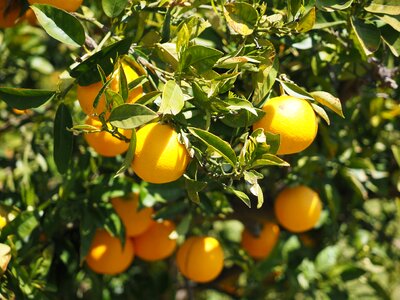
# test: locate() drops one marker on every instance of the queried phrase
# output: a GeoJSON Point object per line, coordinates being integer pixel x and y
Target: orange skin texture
{"type": "Point", "coordinates": [136, 221]}
{"type": "Point", "coordinates": [8, 18]}
{"type": "Point", "coordinates": [106, 255]}
{"type": "Point", "coordinates": [103, 142]}
{"type": "Point", "coordinates": [298, 208]}
{"type": "Point", "coordinates": [293, 119]}
{"type": "Point", "coordinates": [159, 157]}
{"type": "Point", "coordinates": [30, 17]}
{"type": "Point", "coordinates": [68, 5]}
{"type": "Point", "coordinates": [87, 94]}
{"type": "Point", "coordinates": [260, 247]}
{"type": "Point", "coordinates": [155, 244]}
{"type": "Point", "coordinates": [200, 259]}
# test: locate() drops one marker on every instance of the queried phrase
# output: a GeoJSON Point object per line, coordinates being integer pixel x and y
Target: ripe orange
{"type": "Point", "coordinates": [9, 15]}
{"type": "Point", "coordinates": [20, 111]}
{"type": "Point", "coordinates": [293, 119]}
{"type": "Point", "coordinates": [136, 222]}
{"type": "Point", "coordinates": [298, 208]}
{"type": "Point", "coordinates": [30, 17]}
{"type": "Point", "coordinates": [87, 94]}
{"type": "Point", "coordinates": [3, 222]}
{"type": "Point", "coordinates": [200, 259]}
{"type": "Point", "coordinates": [106, 255]}
{"type": "Point", "coordinates": [68, 5]}
{"type": "Point", "coordinates": [103, 142]}
{"type": "Point", "coordinates": [259, 247]}
{"type": "Point", "coordinates": [159, 157]}
{"type": "Point", "coordinates": [155, 244]}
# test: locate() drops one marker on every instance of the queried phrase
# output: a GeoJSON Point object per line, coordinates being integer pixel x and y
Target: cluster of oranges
{"type": "Point", "coordinates": [296, 208]}
{"type": "Point", "coordinates": [11, 11]}
{"type": "Point", "coordinates": [200, 259]}
{"type": "Point", "coordinates": [159, 156]}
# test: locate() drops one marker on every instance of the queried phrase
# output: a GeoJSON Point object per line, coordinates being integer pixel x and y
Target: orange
{"type": "Point", "coordinates": [87, 94]}
{"type": "Point", "coordinates": [298, 208]}
{"type": "Point", "coordinates": [3, 222]}
{"type": "Point", "coordinates": [103, 142]}
{"type": "Point", "coordinates": [30, 17]}
{"type": "Point", "coordinates": [259, 247]}
{"type": "Point", "coordinates": [155, 243]}
{"type": "Point", "coordinates": [68, 5]}
{"type": "Point", "coordinates": [9, 15]}
{"type": "Point", "coordinates": [136, 221]}
{"type": "Point", "coordinates": [159, 157]}
{"type": "Point", "coordinates": [293, 119]}
{"type": "Point", "coordinates": [20, 111]}
{"type": "Point", "coordinates": [200, 259]}
{"type": "Point", "coordinates": [106, 255]}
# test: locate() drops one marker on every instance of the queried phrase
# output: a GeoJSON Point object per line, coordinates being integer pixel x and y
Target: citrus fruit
{"type": "Point", "coordinates": [259, 247]}
{"type": "Point", "coordinates": [3, 222]}
{"type": "Point", "coordinates": [106, 255]}
{"type": "Point", "coordinates": [103, 142]}
{"type": "Point", "coordinates": [87, 94]}
{"type": "Point", "coordinates": [68, 5]}
{"type": "Point", "coordinates": [293, 119]}
{"type": "Point", "coordinates": [9, 14]}
{"type": "Point", "coordinates": [159, 157]}
{"type": "Point", "coordinates": [136, 221]}
{"type": "Point", "coordinates": [155, 243]}
{"type": "Point", "coordinates": [200, 259]}
{"type": "Point", "coordinates": [30, 17]}
{"type": "Point", "coordinates": [298, 208]}
{"type": "Point", "coordinates": [20, 111]}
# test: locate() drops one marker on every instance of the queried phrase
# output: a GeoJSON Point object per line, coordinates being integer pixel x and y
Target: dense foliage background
{"type": "Point", "coordinates": [246, 52]}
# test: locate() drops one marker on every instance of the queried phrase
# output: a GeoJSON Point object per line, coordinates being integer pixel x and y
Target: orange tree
{"type": "Point", "coordinates": [221, 117]}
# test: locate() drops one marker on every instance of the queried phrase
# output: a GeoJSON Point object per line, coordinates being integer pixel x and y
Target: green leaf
{"type": "Point", "coordinates": [241, 17]}
{"type": "Point", "coordinates": [391, 39]}
{"type": "Point", "coordinates": [264, 79]}
{"type": "Point", "coordinates": [105, 58]}
{"type": "Point", "coordinates": [366, 37]}
{"type": "Point", "coordinates": [242, 196]}
{"type": "Point", "coordinates": [184, 225]}
{"type": "Point", "coordinates": [294, 6]}
{"type": "Point", "coordinates": [389, 7]}
{"type": "Point", "coordinates": [129, 155]}
{"type": "Point", "coordinates": [321, 112]}
{"type": "Point", "coordinates": [268, 160]}
{"type": "Point", "coordinates": [172, 100]}
{"type": "Point", "coordinates": [193, 187]}
{"type": "Point", "coordinates": [123, 83]}
{"type": "Point", "coordinates": [63, 138]}
{"type": "Point", "coordinates": [200, 57]}
{"type": "Point", "coordinates": [327, 258]}
{"type": "Point", "coordinates": [22, 225]}
{"type": "Point", "coordinates": [215, 143]}
{"type": "Point", "coordinates": [332, 5]}
{"type": "Point", "coordinates": [129, 116]}
{"type": "Point", "coordinates": [252, 177]}
{"type": "Point", "coordinates": [167, 53]}
{"type": "Point", "coordinates": [232, 62]}
{"type": "Point", "coordinates": [392, 21]}
{"type": "Point", "coordinates": [329, 101]}
{"type": "Point", "coordinates": [60, 25]}
{"type": "Point", "coordinates": [242, 118]}
{"type": "Point", "coordinates": [113, 8]}
{"type": "Point", "coordinates": [148, 98]}
{"type": "Point", "coordinates": [25, 98]}
{"type": "Point", "coordinates": [295, 91]}
{"type": "Point", "coordinates": [307, 22]}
